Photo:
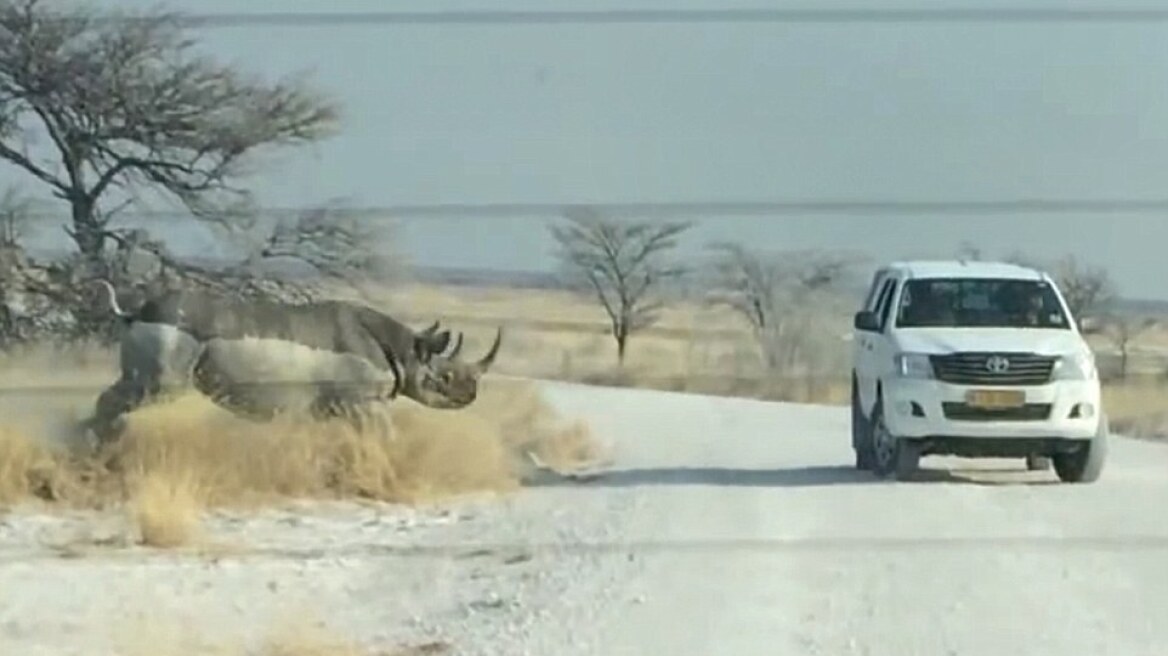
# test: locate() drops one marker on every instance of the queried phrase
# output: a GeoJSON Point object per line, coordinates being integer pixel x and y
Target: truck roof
{"type": "Point", "coordinates": [966, 269]}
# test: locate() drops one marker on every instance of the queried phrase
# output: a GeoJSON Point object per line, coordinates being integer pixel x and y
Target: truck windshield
{"type": "Point", "coordinates": [979, 302]}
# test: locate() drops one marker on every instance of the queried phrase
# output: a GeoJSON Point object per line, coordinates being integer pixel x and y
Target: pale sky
{"type": "Point", "coordinates": [562, 114]}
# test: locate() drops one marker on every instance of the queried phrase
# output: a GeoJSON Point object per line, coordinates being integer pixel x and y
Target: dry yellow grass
{"type": "Point", "coordinates": [188, 453]}
{"type": "Point", "coordinates": [701, 349]}
{"type": "Point", "coordinates": [564, 335]}
{"type": "Point", "coordinates": [165, 508]}
{"type": "Point", "coordinates": [1138, 408]}
{"type": "Point", "coordinates": [190, 443]}
{"type": "Point", "coordinates": [183, 456]}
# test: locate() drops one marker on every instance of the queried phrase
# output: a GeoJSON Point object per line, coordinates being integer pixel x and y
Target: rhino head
{"type": "Point", "coordinates": [440, 379]}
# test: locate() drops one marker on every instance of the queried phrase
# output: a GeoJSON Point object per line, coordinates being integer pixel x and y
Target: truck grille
{"type": "Point", "coordinates": [979, 369]}
{"type": "Point", "coordinates": [1028, 412]}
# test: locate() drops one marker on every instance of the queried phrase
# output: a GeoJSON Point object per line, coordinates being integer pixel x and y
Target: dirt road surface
{"type": "Point", "coordinates": [724, 526]}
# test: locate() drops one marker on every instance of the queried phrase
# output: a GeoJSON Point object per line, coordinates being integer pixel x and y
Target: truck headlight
{"type": "Point", "coordinates": [913, 365]}
{"type": "Point", "coordinates": [1080, 366]}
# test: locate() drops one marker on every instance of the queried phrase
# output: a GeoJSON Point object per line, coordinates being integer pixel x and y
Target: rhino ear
{"type": "Point", "coordinates": [426, 346]}
{"type": "Point", "coordinates": [439, 342]}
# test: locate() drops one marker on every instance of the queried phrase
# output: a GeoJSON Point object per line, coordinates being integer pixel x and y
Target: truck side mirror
{"type": "Point", "coordinates": [866, 321]}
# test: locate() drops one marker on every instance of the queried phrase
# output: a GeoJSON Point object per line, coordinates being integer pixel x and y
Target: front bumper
{"type": "Point", "coordinates": [930, 408]}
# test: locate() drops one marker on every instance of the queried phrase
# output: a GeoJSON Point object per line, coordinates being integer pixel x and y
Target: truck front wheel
{"type": "Point", "coordinates": [892, 456]}
{"type": "Point", "coordinates": [861, 432]}
{"type": "Point", "coordinates": [1085, 464]}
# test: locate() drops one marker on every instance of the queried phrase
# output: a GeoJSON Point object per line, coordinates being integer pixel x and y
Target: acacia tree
{"type": "Point", "coordinates": [623, 262]}
{"type": "Point", "coordinates": [124, 105]}
{"type": "Point", "coordinates": [1123, 330]}
{"type": "Point", "coordinates": [747, 284]}
{"type": "Point", "coordinates": [772, 291]}
{"type": "Point", "coordinates": [1086, 288]}
{"type": "Point", "coordinates": [334, 246]}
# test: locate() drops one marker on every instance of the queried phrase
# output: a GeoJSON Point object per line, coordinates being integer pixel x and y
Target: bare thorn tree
{"type": "Point", "coordinates": [746, 283]}
{"type": "Point", "coordinates": [335, 245]}
{"type": "Point", "coordinates": [1123, 330]}
{"type": "Point", "coordinates": [771, 291]}
{"type": "Point", "coordinates": [124, 104]}
{"type": "Point", "coordinates": [273, 258]}
{"type": "Point", "coordinates": [623, 263]}
{"type": "Point", "coordinates": [1086, 288]}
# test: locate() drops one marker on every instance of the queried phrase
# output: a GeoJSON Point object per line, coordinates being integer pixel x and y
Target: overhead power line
{"type": "Point", "coordinates": [718, 208]}
{"type": "Point", "coordinates": [682, 16]}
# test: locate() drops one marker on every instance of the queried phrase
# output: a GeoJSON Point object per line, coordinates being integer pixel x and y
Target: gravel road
{"type": "Point", "coordinates": [725, 526]}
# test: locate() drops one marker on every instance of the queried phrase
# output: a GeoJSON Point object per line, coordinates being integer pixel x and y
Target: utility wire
{"type": "Point", "coordinates": [682, 16]}
{"type": "Point", "coordinates": [757, 208]}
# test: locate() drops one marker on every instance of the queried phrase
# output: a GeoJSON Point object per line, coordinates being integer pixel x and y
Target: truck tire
{"type": "Point", "coordinates": [1086, 464]}
{"type": "Point", "coordinates": [861, 433]}
{"type": "Point", "coordinates": [892, 456]}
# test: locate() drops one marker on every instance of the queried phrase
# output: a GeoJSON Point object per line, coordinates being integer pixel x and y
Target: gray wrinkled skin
{"type": "Point", "coordinates": [260, 359]}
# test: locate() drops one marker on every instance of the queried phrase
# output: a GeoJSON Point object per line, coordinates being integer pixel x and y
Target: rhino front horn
{"type": "Point", "coordinates": [488, 359]}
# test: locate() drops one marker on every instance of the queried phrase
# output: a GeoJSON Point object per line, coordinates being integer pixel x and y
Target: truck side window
{"type": "Point", "coordinates": [880, 298]}
{"type": "Point", "coordinates": [871, 300]}
{"type": "Point", "coordinates": [886, 303]}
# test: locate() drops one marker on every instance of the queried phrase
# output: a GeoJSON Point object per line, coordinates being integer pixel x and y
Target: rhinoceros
{"type": "Point", "coordinates": [262, 358]}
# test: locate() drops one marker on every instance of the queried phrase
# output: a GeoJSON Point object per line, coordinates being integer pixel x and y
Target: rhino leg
{"type": "Point", "coordinates": [112, 404]}
{"type": "Point", "coordinates": [156, 361]}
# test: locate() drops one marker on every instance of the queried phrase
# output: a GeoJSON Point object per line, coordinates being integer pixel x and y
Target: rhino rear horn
{"type": "Point", "coordinates": [438, 342]}
{"type": "Point", "coordinates": [454, 351]}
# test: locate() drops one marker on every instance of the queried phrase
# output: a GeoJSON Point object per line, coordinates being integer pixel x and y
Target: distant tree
{"type": "Point", "coordinates": [335, 245]}
{"type": "Point", "coordinates": [746, 283]}
{"type": "Point", "coordinates": [124, 106]}
{"type": "Point", "coordinates": [624, 263]}
{"type": "Point", "coordinates": [772, 291]}
{"type": "Point", "coordinates": [1086, 288]}
{"type": "Point", "coordinates": [1123, 330]}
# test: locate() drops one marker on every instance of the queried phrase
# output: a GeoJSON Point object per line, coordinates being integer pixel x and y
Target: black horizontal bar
{"type": "Point", "coordinates": [685, 16]}
{"type": "Point", "coordinates": [707, 208]}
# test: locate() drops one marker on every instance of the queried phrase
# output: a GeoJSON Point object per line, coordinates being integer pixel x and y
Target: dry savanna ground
{"type": "Point", "coordinates": [184, 461]}
{"type": "Point", "coordinates": [185, 455]}
{"type": "Point", "coordinates": [695, 347]}
{"type": "Point", "coordinates": [184, 458]}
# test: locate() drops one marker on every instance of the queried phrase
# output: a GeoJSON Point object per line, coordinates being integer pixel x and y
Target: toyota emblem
{"type": "Point", "coordinates": [997, 364]}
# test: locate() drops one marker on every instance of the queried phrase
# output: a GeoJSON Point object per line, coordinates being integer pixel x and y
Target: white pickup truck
{"type": "Point", "coordinates": [976, 360]}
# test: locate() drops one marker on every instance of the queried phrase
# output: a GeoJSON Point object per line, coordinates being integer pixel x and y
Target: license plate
{"type": "Point", "coordinates": [995, 399]}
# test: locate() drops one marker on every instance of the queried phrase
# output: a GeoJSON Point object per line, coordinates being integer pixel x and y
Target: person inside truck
{"type": "Point", "coordinates": [924, 306]}
{"type": "Point", "coordinates": [1025, 305]}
